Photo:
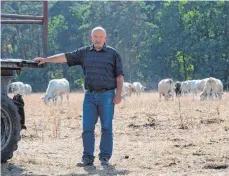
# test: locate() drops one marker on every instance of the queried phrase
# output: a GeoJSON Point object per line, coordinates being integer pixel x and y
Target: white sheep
{"type": "Point", "coordinates": [165, 88]}
{"type": "Point", "coordinates": [57, 87]}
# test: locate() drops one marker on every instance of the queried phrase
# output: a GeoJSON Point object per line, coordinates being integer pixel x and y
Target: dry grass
{"type": "Point", "coordinates": [149, 138]}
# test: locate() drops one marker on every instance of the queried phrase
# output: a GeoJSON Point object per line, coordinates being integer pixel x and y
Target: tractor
{"type": "Point", "coordinates": [12, 112]}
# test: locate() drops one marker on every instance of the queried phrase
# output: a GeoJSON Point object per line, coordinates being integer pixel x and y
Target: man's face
{"type": "Point", "coordinates": [98, 38]}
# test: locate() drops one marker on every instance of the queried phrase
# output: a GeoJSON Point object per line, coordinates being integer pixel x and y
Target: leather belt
{"type": "Point", "coordinates": [97, 91]}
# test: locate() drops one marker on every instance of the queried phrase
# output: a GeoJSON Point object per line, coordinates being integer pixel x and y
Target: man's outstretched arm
{"type": "Point", "coordinates": [59, 58]}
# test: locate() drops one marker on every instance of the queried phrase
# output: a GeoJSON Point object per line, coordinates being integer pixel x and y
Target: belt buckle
{"type": "Point", "coordinates": [100, 91]}
{"type": "Point", "coordinates": [97, 91]}
{"type": "Point", "coordinates": [103, 90]}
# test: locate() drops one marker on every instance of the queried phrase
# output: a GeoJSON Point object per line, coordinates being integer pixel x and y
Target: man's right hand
{"type": "Point", "coordinates": [40, 60]}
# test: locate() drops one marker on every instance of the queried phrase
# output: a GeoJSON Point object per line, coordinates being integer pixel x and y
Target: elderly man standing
{"type": "Point", "coordinates": [103, 73]}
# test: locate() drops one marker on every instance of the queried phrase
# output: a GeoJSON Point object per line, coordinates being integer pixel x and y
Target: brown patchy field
{"type": "Point", "coordinates": [151, 137]}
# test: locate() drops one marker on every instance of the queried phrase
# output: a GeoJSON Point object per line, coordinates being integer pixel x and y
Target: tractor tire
{"type": "Point", "coordinates": [10, 128]}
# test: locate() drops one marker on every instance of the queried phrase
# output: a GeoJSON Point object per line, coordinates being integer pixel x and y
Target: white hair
{"type": "Point", "coordinates": [98, 28]}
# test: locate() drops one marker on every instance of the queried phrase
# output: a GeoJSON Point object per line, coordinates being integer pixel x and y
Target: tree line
{"type": "Point", "coordinates": [182, 40]}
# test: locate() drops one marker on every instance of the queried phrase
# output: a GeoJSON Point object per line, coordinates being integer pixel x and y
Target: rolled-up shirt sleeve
{"type": "Point", "coordinates": [74, 57]}
{"type": "Point", "coordinates": [118, 64]}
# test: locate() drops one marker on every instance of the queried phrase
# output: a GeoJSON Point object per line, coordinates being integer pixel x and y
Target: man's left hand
{"type": "Point", "coordinates": [117, 99]}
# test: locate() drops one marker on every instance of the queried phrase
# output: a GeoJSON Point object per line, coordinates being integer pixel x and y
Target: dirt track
{"type": "Point", "coordinates": [150, 138]}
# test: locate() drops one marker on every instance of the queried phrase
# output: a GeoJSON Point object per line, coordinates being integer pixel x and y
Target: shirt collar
{"type": "Point", "coordinates": [92, 47]}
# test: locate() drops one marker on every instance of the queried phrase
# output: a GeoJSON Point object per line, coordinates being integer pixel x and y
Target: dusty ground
{"type": "Point", "coordinates": [150, 138]}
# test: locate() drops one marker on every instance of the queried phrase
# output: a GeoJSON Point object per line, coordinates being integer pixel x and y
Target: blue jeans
{"type": "Point", "coordinates": [94, 105]}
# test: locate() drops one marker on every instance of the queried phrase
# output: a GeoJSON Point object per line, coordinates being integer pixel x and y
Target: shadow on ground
{"type": "Point", "coordinates": [102, 171]}
{"type": "Point", "coordinates": [10, 169]}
